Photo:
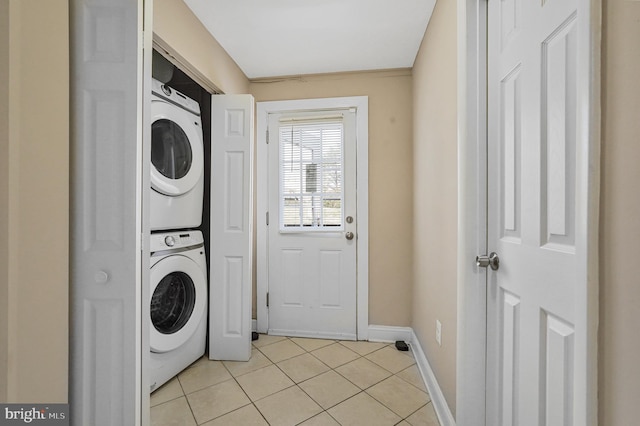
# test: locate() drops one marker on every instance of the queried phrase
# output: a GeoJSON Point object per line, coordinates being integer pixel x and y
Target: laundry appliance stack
{"type": "Point", "coordinates": [178, 277]}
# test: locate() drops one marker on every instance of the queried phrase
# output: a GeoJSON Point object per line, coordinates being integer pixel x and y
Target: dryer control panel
{"type": "Point", "coordinates": [175, 240]}
{"type": "Point", "coordinates": [172, 95]}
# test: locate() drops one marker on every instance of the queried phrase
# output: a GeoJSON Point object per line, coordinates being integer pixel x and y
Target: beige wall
{"type": "Point", "coordinates": [34, 179]}
{"type": "Point", "coordinates": [176, 26]}
{"type": "Point", "coordinates": [34, 200]}
{"type": "Point", "coordinates": [4, 196]}
{"type": "Point", "coordinates": [619, 344]}
{"type": "Point", "coordinates": [435, 195]}
{"type": "Point", "coordinates": [390, 176]}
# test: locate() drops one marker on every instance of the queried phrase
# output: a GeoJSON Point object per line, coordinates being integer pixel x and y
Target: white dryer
{"type": "Point", "coordinates": [177, 160]}
{"type": "Point", "coordinates": [178, 305]}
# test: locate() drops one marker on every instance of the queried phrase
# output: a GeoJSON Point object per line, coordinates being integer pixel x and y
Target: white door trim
{"type": "Point", "coordinates": [472, 148]}
{"type": "Point", "coordinates": [472, 208]}
{"type": "Point", "coordinates": [362, 203]}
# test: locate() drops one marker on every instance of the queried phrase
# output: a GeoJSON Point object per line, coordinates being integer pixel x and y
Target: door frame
{"type": "Point", "coordinates": [472, 203]}
{"type": "Point", "coordinates": [361, 103]}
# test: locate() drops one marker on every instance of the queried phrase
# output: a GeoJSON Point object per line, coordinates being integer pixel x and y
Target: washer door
{"type": "Point", "coordinates": [178, 301]}
{"type": "Point", "coordinates": [177, 154]}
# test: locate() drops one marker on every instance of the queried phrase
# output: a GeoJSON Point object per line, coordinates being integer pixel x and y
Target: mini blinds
{"type": "Point", "coordinates": [311, 174]}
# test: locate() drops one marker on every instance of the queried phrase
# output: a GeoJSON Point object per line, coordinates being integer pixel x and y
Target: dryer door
{"type": "Point", "coordinates": [177, 154]}
{"type": "Point", "coordinates": [178, 301]}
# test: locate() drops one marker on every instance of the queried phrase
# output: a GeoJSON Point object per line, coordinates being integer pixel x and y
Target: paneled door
{"type": "Point", "coordinates": [232, 135]}
{"type": "Point", "coordinates": [110, 68]}
{"type": "Point", "coordinates": [312, 224]}
{"type": "Point", "coordinates": [537, 180]}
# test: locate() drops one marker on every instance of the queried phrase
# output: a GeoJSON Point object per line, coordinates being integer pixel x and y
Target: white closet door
{"type": "Point", "coordinates": [108, 169]}
{"type": "Point", "coordinates": [231, 227]}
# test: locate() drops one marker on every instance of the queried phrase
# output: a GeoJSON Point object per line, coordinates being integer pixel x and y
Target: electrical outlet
{"type": "Point", "coordinates": [439, 332]}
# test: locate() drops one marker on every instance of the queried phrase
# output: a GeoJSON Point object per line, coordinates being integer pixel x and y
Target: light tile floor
{"type": "Point", "coordinates": [298, 381]}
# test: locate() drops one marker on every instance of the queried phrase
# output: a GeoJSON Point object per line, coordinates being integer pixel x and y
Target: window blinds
{"type": "Point", "coordinates": [311, 174]}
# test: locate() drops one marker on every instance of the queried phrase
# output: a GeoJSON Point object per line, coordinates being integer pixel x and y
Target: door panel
{"type": "Point", "coordinates": [312, 265]}
{"type": "Point", "coordinates": [108, 169]}
{"type": "Point", "coordinates": [231, 227]}
{"type": "Point", "coordinates": [559, 137]}
{"type": "Point", "coordinates": [532, 139]}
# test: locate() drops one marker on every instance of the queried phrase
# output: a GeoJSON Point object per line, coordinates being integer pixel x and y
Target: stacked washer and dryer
{"type": "Point", "coordinates": [178, 292]}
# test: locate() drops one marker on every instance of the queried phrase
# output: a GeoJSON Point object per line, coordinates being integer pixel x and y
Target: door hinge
{"type": "Point", "coordinates": [267, 299]}
{"type": "Point", "coordinates": [267, 218]}
{"type": "Point", "coordinates": [267, 136]}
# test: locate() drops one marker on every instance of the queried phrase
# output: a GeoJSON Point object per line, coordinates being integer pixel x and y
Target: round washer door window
{"type": "Point", "coordinates": [178, 300]}
{"type": "Point", "coordinates": [177, 153]}
{"type": "Point", "coordinates": [172, 302]}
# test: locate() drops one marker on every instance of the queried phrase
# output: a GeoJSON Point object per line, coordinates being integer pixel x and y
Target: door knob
{"type": "Point", "coordinates": [349, 235]}
{"type": "Point", "coordinates": [492, 260]}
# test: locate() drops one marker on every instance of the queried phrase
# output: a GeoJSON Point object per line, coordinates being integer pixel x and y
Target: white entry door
{"type": "Point", "coordinates": [312, 229]}
{"type": "Point", "coordinates": [537, 160]}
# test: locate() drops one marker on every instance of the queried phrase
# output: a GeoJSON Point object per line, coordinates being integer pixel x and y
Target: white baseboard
{"type": "Point", "coordinates": [437, 397]}
{"type": "Point", "coordinates": [311, 334]}
{"type": "Point", "coordinates": [384, 333]}
{"type": "Point", "coordinates": [387, 334]}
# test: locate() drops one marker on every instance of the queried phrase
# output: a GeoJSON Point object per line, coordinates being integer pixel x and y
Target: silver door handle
{"type": "Point", "coordinates": [349, 235]}
{"type": "Point", "coordinates": [492, 260]}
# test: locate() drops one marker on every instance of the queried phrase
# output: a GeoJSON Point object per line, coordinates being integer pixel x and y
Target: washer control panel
{"type": "Point", "coordinates": [175, 240]}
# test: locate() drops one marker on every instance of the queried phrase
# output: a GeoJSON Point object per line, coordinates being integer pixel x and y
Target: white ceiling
{"type": "Point", "coordinates": [269, 38]}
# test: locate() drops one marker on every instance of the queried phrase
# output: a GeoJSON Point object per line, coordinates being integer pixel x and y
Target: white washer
{"type": "Point", "coordinates": [177, 160]}
{"type": "Point", "coordinates": [178, 303]}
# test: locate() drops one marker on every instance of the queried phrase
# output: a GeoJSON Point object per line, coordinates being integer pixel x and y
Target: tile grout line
{"type": "Point", "coordinates": [251, 402]}
{"type": "Point", "coordinates": [392, 374]}
{"type": "Point", "coordinates": [305, 351]}
{"type": "Point", "coordinates": [298, 384]}
{"type": "Point", "coordinates": [324, 410]}
{"type": "Point", "coordinates": [360, 390]}
{"type": "Point", "coordinates": [184, 394]}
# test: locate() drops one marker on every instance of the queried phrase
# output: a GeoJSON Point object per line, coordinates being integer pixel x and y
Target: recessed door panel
{"type": "Point", "coordinates": [510, 360]}
{"type": "Point", "coordinates": [559, 136]}
{"type": "Point", "coordinates": [233, 296]}
{"type": "Point", "coordinates": [557, 354]}
{"type": "Point", "coordinates": [292, 278]}
{"type": "Point", "coordinates": [331, 283]}
{"type": "Point", "coordinates": [510, 154]}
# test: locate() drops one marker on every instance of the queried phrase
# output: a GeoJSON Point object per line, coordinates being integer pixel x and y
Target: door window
{"type": "Point", "coordinates": [170, 149]}
{"type": "Point", "coordinates": [172, 302]}
{"type": "Point", "coordinates": [311, 176]}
